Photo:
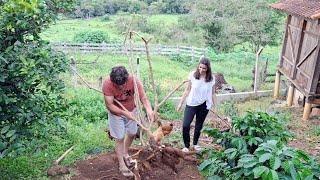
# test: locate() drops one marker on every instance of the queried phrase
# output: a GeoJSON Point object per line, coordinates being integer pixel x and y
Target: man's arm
{"type": "Point", "coordinates": [145, 101]}
{"type": "Point", "coordinates": [146, 104]}
{"type": "Point", "coordinates": [109, 100]}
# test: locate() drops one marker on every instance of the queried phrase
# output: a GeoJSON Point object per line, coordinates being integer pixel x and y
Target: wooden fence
{"type": "Point", "coordinates": [118, 48]}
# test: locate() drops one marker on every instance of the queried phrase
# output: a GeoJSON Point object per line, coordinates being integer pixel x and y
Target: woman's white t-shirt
{"type": "Point", "coordinates": [200, 92]}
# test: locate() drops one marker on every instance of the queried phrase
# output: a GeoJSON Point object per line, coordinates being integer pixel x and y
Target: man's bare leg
{"type": "Point", "coordinates": [120, 153]}
{"type": "Point", "coordinates": [127, 143]}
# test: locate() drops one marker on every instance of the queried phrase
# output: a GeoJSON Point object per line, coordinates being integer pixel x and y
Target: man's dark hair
{"type": "Point", "coordinates": [119, 75]}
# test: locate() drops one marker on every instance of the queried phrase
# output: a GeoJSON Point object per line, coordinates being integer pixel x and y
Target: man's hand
{"type": "Point", "coordinates": [129, 115]}
{"type": "Point", "coordinates": [151, 115]}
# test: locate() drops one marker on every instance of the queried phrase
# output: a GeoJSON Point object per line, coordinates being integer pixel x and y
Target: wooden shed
{"type": "Point", "coordinates": [300, 56]}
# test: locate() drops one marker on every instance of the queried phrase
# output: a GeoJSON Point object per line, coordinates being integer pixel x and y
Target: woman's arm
{"type": "Point", "coordinates": [185, 94]}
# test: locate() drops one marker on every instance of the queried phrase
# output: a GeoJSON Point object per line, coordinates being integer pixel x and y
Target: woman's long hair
{"type": "Point", "coordinates": [205, 61]}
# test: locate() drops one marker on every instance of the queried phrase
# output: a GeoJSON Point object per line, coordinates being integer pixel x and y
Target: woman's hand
{"type": "Point", "coordinates": [179, 107]}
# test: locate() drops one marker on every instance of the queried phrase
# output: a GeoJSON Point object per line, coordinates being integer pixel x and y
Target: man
{"type": "Point", "coordinates": [120, 86]}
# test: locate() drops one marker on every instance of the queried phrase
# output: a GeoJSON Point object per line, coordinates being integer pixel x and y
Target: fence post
{"type": "Point", "coordinates": [159, 49]}
{"type": "Point", "coordinates": [100, 82]}
{"type": "Point", "coordinates": [256, 72]}
{"type": "Point", "coordinates": [104, 46]}
{"type": "Point", "coordinates": [277, 85]}
{"type": "Point", "coordinates": [73, 71]}
{"type": "Point", "coordinates": [178, 49]}
{"type": "Point", "coordinates": [138, 67]}
{"type": "Point", "coordinates": [192, 53]}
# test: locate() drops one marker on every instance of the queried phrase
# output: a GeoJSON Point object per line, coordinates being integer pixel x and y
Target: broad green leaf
{"type": "Point", "coordinates": [204, 165]}
{"type": "Point", "coordinates": [233, 155]}
{"type": "Point", "coordinates": [5, 129]}
{"type": "Point", "coordinates": [3, 145]}
{"type": "Point", "coordinates": [265, 157]}
{"type": "Point", "coordinates": [215, 177]}
{"type": "Point", "coordinates": [276, 162]}
{"type": "Point", "coordinates": [293, 171]}
{"type": "Point", "coordinates": [303, 155]}
{"type": "Point", "coordinates": [257, 171]}
{"type": "Point", "coordinates": [10, 133]}
{"type": "Point", "coordinates": [274, 175]}
{"type": "Point", "coordinates": [230, 150]}
{"type": "Point", "coordinates": [250, 164]}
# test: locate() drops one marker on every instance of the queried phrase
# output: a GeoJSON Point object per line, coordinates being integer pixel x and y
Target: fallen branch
{"type": "Point", "coordinates": [223, 120]}
{"type": "Point", "coordinates": [175, 89]}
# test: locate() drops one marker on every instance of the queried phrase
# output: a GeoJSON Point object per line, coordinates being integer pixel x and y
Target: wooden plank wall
{"type": "Point", "coordinates": [300, 54]}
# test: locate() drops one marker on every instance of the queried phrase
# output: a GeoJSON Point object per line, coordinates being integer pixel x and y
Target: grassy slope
{"type": "Point", "coordinates": [166, 29]}
{"type": "Point", "coordinates": [87, 114]}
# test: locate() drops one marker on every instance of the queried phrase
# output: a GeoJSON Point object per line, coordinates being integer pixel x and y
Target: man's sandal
{"type": "Point", "coordinates": [126, 172]}
{"type": "Point", "coordinates": [129, 161]}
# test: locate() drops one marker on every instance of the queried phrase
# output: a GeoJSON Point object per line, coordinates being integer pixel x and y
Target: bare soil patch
{"type": "Point", "coordinates": [304, 138]}
{"type": "Point", "coordinates": [105, 166]}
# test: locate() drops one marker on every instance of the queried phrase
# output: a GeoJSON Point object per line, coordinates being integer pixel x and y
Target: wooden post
{"type": "Point", "coordinates": [159, 49]}
{"type": "Point", "coordinates": [290, 95]}
{"type": "Point", "coordinates": [192, 51]}
{"type": "Point", "coordinates": [100, 82]}
{"type": "Point", "coordinates": [256, 72]}
{"type": "Point", "coordinates": [277, 85]}
{"type": "Point", "coordinates": [73, 73]}
{"type": "Point", "coordinates": [306, 111]}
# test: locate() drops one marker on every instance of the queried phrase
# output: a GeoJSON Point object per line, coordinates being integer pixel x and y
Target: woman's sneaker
{"type": "Point", "coordinates": [197, 148]}
{"type": "Point", "coordinates": [185, 150]}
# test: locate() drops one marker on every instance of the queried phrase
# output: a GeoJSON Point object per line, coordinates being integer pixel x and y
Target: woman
{"type": "Point", "coordinates": [201, 97]}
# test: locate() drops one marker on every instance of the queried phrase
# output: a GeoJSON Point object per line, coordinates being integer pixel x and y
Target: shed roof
{"type": "Point", "coordinates": [305, 8]}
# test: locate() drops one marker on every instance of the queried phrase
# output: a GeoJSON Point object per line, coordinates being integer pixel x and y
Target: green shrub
{"type": "Point", "coordinates": [30, 95]}
{"type": "Point", "coordinates": [31, 99]}
{"type": "Point", "coordinates": [91, 37]}
{"type": "Point", "coordinates": [105, 18]}
{"type": "Point", "coordinates": [255, 149]}
{"type": "Point", "coordinates": [186, 60]}
{"type": "Point", "coordinates": [228, 109]}
{"type": "Point", "coordinates": [270, 161]}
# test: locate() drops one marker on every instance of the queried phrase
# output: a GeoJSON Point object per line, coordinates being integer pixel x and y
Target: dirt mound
{"type": "Point", "coordinates": [160, 166]}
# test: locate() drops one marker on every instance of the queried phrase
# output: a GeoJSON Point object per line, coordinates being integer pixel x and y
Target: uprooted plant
{"type": "Point", "coordinates": [256, 149]}
{"type": "Point", "coordinates": [152, 149]}
{"type": "Point", "coordinates": [156, 152]}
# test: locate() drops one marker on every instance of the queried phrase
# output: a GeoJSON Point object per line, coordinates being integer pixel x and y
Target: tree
{"type": "Point", "coordinates": [232, 22]}
{"type": "Point", "coordinates": [30, 88]}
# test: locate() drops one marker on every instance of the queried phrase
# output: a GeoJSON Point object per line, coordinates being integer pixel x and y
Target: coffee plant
{"type": "Point", "coordinates": [255, 149]}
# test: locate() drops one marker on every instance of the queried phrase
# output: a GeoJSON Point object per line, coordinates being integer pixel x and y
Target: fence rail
{"type": "Point", "coordinates": [118, 48]}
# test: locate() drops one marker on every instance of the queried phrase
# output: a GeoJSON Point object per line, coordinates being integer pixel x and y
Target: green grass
{"type": "Point", "coordinates": [316, 130]}
{"type": "Point", "coordinates": [64, 30]}
{"type": "Point", "coordinates": [168, 74]}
